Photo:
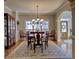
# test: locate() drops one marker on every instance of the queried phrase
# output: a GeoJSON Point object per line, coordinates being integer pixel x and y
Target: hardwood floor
{"type": "Point", "coordinates": [53, 51]}
{"type": "Point", "coordinates": [8, 51]}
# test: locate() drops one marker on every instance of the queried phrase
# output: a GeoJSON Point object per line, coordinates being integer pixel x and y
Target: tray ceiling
{"type": "Point", "coordinates": [29, 6]}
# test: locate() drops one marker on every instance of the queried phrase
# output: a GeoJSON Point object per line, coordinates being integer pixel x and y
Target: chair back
{"type": "Point", "coordinates": [27, 35]}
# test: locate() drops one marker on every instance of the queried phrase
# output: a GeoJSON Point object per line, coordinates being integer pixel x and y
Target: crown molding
{"type": "Point", "coordinates": [7, 8]}
{"type": "Point", "coordinates": [73, 4]}
{"type": "Point", "coordinates": [71, 0]}
{"type": "Point", "coordinates": [62, 6]}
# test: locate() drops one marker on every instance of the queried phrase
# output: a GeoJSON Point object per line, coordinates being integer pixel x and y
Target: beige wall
{"type": "Point", "coordinates": [17, 28]}
{"type": "Point", "coordinates": [58, 15]}
{"type": "Point", "coordinates": [73, 32]}
{"type": "Point", "coordinates": [65, 7]}
{"type": "Point", "coordinates": [7, 10]}
{"type": "Point", "coordinates": [23, 18]}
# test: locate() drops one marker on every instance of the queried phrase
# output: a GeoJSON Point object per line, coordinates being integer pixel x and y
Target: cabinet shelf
{"type": "Point", "coordinates": [10, 30]}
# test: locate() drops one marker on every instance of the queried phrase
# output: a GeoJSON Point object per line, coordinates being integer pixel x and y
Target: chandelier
{"type": "Point", "coordinates": [37, 20]}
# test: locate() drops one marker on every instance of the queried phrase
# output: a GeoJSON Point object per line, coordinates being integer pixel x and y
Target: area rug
{"type": "Point", "coordinates": [53, 52]}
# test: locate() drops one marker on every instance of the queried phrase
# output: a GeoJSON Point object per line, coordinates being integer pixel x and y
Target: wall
{"type": "Point", "coordinates": [23, 18]}
{"type": "Point", "coordinates": [17, 28]}
{"type": "Point", "coordinates": [73, 31]}
{"type": "Point", "coordinates": [59, 11]}
{"type": "Point", "coordinates": [7, 10]}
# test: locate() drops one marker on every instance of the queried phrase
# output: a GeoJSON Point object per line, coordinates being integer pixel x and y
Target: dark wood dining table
{"type": "Point", "coordinates": [37, 36]}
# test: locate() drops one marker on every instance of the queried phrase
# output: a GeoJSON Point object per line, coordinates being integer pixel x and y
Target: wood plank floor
{"type": "Point", "coordinates": [23, 52]}
{"type": "Point", "coordinates": [8, 51]}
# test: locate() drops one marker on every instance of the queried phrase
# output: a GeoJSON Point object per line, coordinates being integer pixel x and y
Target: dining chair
{"type": "Point", "coordinates": [38, 43]}
{"type": "Point", "coordinates": [30, 40]}
{"type": "Point", "coordinates": [22, 35]}
{"type": "Point", "coordinates": [45, 40]}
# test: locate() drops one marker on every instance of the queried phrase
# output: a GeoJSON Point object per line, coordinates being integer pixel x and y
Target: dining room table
{"type": "Point", "coordinates": [38, 36]}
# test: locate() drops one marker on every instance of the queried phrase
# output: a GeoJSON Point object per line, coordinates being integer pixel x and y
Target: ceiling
{"type": "Point", "coordinates": [29, 6]}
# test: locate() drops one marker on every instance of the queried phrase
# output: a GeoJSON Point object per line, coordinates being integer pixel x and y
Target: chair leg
{"type": "Point", "coordinates": [34, 48]}
{"type": "Point", "coordinates": [42, 49]}
{"type": "Point", "coordinates": [31, 45]}
{"type": "Point", "coordinates": [28, 44]}
{"type": "Point", "coordinates": [45, 45]}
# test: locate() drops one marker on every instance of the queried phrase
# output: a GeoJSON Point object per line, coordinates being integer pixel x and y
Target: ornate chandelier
{"type": "Point", "coordinates": [37, 20]}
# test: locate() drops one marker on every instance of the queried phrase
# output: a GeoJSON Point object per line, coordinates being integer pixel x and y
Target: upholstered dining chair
{"type": "Point", "coordinates": [38, 43]}
{"type": "Point", "coordinates": [45, 40]}
{"type": "Point", "coordinates": [30, 39]}
{"type": "Point", "coordinates": [22, 35]}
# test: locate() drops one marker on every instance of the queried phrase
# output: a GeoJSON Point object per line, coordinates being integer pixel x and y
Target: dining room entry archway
{"type": "Point", "coordinates": [65, 25]}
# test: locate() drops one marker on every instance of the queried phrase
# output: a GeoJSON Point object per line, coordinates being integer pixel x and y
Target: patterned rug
{"type": "Point", "coordinates": [53, 52]}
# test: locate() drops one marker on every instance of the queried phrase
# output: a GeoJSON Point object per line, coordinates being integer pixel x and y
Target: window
{"type": "Point", "coordinates": [28, 25]}
{"type": "Point", "coordinates": [63, 26]}
{"type": "Point", "coordinates": [36, 26]}
{"type": "Point", "coordinates": [45, 25]}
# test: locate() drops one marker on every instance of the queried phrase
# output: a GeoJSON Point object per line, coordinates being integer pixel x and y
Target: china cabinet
{"type": "Point", "coordinates": [9, 30]}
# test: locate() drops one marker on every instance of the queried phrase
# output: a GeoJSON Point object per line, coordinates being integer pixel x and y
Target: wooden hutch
{"type": "Point", "coordinates": [9, 30]}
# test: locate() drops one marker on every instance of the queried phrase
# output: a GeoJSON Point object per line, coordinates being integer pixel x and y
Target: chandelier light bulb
{"type": "Point", "coordinates": [41, 24]}
{"type": "Point", "coordinates": [33, 20]}
{"type": "Point", "coordinates": [32, 24]}
{"type": "Point", "coordinates": [38, 19]}
{"type": "Point", "coordinates": [42, 20]}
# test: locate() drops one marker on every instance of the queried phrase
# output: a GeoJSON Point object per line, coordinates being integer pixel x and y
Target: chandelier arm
{"type": "Point", "coordinates": [37, 11]}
